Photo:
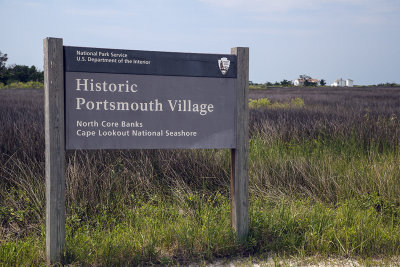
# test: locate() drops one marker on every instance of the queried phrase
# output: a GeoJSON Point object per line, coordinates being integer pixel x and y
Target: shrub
{"type": "Point", "coordinates": [297, 102]}
{"type": "Point", "coordinates": [264, 103]}
{"type": "Point", "coordinates": [259, 103]}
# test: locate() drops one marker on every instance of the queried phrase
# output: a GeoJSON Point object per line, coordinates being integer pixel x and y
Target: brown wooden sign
{"type": "Point", "coordinates": [98, 98]}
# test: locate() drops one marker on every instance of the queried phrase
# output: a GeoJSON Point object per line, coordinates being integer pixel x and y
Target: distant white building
{"type": "Point", "coordinates": [342, 83]}
{"type": "Point", "coordinates": [339, 83]}
{"type": "Point", "coordinates": [298, 82]}
{"type": "Point", "coordinates": [349, 83]}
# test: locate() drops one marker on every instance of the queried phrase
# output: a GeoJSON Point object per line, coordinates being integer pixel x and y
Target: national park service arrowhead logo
{"type": "Point", "coordinates": [224, 64]}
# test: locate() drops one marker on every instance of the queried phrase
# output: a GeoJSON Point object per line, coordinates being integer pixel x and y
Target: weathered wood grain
{"type": "Point", "coordinates": [55, 150]}
{"type": "Point", "coordinates": [239, 156]}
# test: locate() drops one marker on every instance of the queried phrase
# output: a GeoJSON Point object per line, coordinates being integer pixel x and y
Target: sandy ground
{"type": "Point", "coordinates": [307, 261]}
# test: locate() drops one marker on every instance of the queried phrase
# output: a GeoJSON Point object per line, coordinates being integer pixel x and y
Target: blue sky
{"type": "Point", "coordinates": [326, 39]}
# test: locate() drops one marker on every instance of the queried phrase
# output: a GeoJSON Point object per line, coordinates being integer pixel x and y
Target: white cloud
{"type": "Point", "coordinates": [32, 4]}
{"type": "Point", "coordinates": [288, 5]}
{"type": "Point", "coordinates": [97, 12]}
{"type": "Point", "coordinates": [314, 13]}
{"type": "Point", "coordinates": [260, 5]}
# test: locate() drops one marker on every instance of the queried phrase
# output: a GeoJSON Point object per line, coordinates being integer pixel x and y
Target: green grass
{"type": "Point", "coordinates": [349, 228]}
{"type": "Point", "coordinates": [22, 85]}
{"type": "Point", "coordinates": [156, 231]}
{"type": "Point", "coordinates": [197, 228]}
{"type": "Point", "coordinates": [257, 87]}
{"type": "Point", "coordinates": [28, 251]}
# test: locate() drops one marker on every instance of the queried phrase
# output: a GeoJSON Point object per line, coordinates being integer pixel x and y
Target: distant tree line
{"type": "Point", "coordinates": [388, 85]}
{"type": "Point", "coordinates": [284, 82]}
{"type": "Point", "coordinates": [18, 73]}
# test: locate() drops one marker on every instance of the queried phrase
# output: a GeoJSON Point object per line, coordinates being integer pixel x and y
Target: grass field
{"type": "Point", "coordinates": [324, 180]}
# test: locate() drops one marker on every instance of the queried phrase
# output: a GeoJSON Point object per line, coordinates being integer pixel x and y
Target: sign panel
{"type": "Point", "coordinates": [126, 99]}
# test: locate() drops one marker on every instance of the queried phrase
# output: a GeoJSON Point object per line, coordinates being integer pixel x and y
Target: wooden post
{"type": "Point", "coordinates": [55, 148]}
{"type": "Point", "coordinates": [239, 156]}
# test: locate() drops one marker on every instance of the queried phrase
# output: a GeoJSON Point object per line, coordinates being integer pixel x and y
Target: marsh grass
{"type": "Point", "coordinates": [324, 170]}
{"type": "Point", "coordinates": [324, 179]}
